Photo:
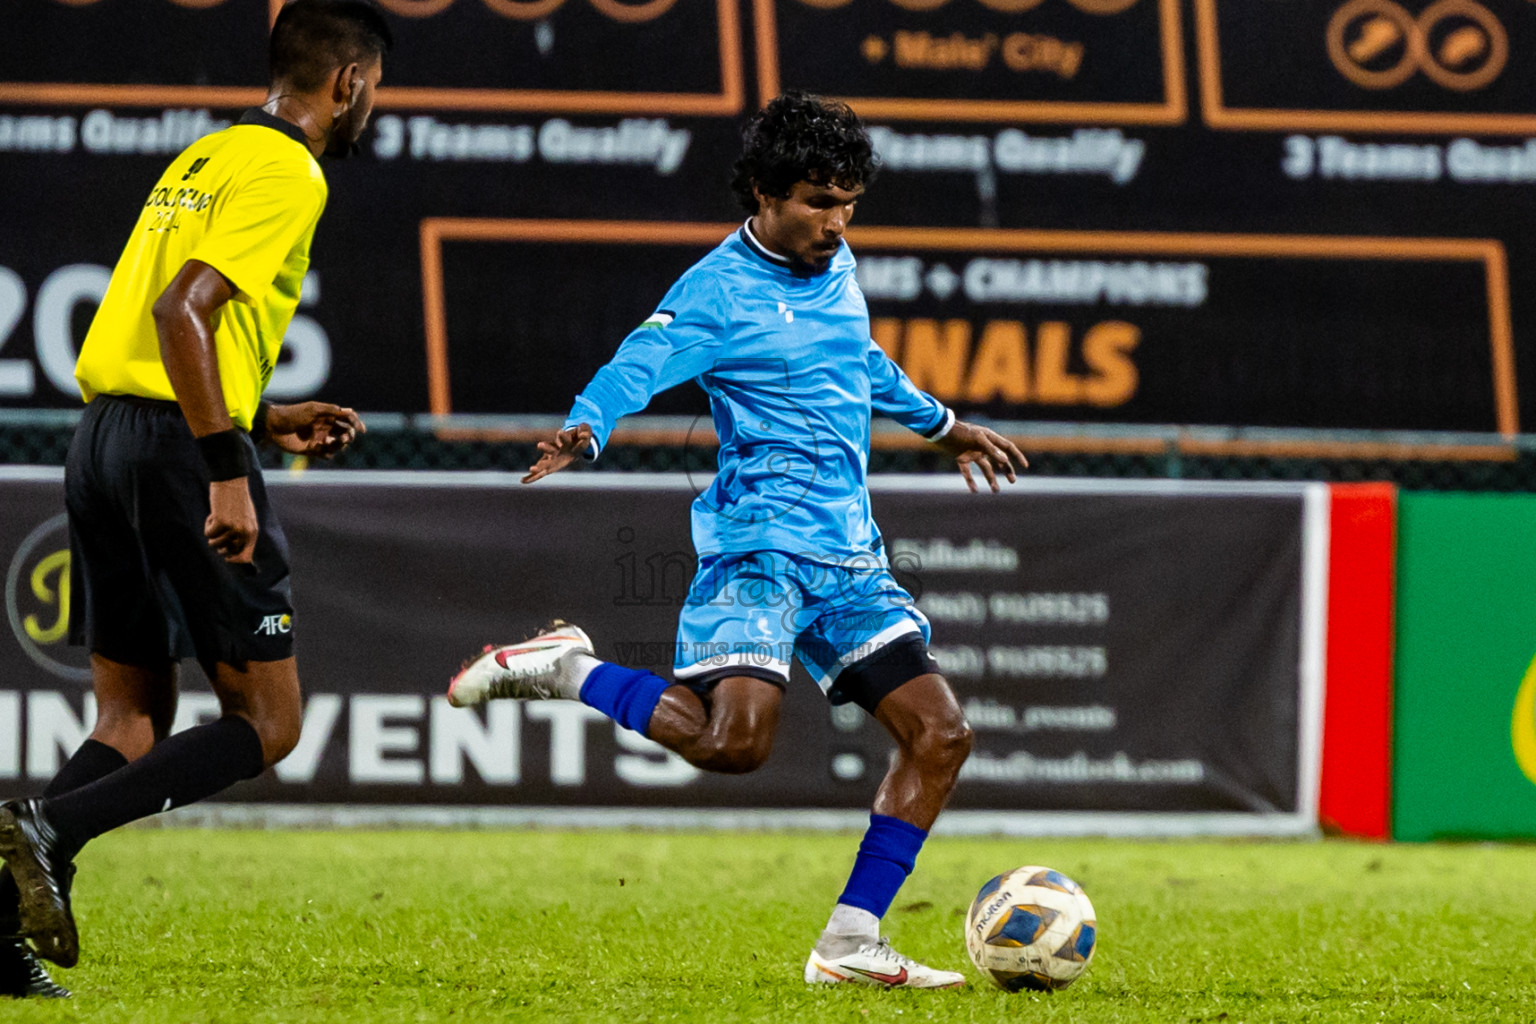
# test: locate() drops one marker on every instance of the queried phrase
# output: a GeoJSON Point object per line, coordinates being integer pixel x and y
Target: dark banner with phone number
{"type": "Point", "coordinates": [1284, 214]}
{"type": "Point", "coordinates": [1138, 658]}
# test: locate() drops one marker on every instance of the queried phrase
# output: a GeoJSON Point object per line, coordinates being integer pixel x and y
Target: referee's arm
{"type": "Point", "coordinates": [183, 321]}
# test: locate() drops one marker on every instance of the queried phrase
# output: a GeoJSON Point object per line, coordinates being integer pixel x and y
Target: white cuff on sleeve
{"type": "Point", "coordinates": [942, 427]}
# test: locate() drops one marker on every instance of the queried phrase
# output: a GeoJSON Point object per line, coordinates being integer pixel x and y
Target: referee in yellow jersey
{"type": "Point", "coordinates": [175, 551]}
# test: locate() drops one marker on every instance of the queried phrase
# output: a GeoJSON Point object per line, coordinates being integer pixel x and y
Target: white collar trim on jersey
{"type": "Point", "coordinates": [759, 247]}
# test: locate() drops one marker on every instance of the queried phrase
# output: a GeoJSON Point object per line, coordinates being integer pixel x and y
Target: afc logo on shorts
{"type": "Point", "coordinates": [272, 625]}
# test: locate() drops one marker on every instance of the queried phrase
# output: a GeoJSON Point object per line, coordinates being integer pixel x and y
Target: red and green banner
{"type": "Point", "coordinates": [1465, 715]}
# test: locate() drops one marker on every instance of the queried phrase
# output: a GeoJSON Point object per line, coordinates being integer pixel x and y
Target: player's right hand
{"type": "Point", "coordinates": [231, 527]}
{"type": "Point", "coordinates": [983, 447]}
{"type": "Point", "coordinates": [567, 446]}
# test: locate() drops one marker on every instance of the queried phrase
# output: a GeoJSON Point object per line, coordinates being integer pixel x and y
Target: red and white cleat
{"type": "Point", "coordinates": [536, 669]}
{"type": "Point", "coordinates": [877, 964]}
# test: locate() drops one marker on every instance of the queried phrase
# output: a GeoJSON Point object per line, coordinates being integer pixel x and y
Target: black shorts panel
{"type": "Point", "coordinates": [703, 684]}
{"type": "Point", "coordinates": [145, 585]}
{"type": "Point", "coordinates": [869, 681]}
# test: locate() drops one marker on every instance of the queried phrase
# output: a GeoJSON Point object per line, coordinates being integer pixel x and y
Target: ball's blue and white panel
{"type": "Point", "coordinates": [1045, 878]}
{"type": "Point", "coordinates": [982, 896]}
{"type": "Point", "coordinates": [1022, 926]}
{"type": "Point", "coordinates": [1079, 945]}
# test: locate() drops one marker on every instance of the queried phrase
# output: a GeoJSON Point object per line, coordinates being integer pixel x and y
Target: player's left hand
{"type": "Point", "coordinates": [312, 428]}
{"type": "Point", "coordinates": [563, 449]}
{"type": "Point", "coordinates": [988, 450]}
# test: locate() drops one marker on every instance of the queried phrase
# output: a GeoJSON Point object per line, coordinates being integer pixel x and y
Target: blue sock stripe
{"type": "Point", "coordinates": [628, 696]}
{"type": "Point", "coordinates": [886, 857]}
{"type": "Point", "coordinates": [893, 837]}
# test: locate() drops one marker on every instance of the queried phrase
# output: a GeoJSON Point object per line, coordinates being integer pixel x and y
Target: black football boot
{"type": "Point", "coordinates": [31, 849]}
{"type": "Point", "coordinates": [22, 974]}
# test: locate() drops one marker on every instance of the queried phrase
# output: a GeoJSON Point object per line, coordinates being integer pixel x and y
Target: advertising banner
{"type": "Point", "coordinates": [1197, 217]}
{"type": "Point", "coordinates": [1130, 327]}
{"type": "Point", "coordinates": [1464, 734]}
{"type": "Point", "coordinates": [510, 54]}
{"type": "Point", "coordinates": [1445, 67]}
{"type": "Point", "coordinates": [1133, 658]}
{"type": "Point", "coordinates": [1082, 61]}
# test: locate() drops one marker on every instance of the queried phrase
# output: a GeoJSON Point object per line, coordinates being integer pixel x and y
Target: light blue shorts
{"type": "Point", "coordinates": [754, 612]}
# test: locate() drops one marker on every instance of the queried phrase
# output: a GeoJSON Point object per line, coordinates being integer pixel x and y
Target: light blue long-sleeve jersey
{"type": "Point", "coordinates": [792, 376]}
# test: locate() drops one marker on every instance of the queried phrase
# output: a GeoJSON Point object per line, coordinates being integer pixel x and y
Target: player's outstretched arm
{"type": "Point", "coordinates": [311, 428]}
{"type": "Point", "coordinates": [986, 449]}
{"type": "Point", "coordinates": [568, 446]}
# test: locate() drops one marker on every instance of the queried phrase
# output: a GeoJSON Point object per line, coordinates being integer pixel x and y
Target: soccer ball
{"type": "Point", "coordinates": [1031, 928]}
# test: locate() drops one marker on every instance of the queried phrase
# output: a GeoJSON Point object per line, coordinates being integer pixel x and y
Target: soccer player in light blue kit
{"type": "Point", "coordinates": [772, 324]}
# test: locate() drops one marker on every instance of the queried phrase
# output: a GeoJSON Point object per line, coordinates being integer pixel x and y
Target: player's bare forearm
{"type": "Point", "coordinates": [984, 448]}
{"type": "Point", "coordinates": [560, 451]}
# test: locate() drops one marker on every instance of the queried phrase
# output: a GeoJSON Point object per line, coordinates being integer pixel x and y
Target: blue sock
{"type": "Point", "coordinates": [885, 859]}
{"type": "Point", "coordinates": [627, 695]}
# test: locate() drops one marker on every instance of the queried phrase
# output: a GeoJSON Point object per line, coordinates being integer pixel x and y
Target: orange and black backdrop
{"type": "Point", "coordinates": [1311, 213]}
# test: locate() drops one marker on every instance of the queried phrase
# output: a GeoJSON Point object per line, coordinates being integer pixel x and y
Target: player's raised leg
{"type": "Point", "coordinates": [722, 724]}
{"type": "Point", "coordinates": [541, 667]}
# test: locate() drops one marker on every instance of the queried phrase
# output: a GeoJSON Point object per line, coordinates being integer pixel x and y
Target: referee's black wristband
{"type": "Point", "coordinates": [259, 422]}
{"type": "Point", "coordinates": [225, 455]}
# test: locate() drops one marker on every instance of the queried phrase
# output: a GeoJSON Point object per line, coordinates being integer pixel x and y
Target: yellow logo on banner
{"type": "Point", "coordinates": [1522, 727]}
{"type": "Point", "coordinates": [37, 600]}
{"type": "Point", "coordinates": [56, 597]}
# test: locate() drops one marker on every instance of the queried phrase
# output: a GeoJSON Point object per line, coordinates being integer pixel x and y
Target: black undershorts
{"type": "Point", "coordinates": [866, 682]}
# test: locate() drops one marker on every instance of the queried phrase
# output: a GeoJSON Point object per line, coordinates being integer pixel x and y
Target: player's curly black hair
{"type": "Point", "coordinates": [800, 137]}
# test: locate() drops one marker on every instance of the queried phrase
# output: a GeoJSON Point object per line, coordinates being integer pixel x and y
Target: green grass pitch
{"type": "Point", "coordinates": [248, 927]}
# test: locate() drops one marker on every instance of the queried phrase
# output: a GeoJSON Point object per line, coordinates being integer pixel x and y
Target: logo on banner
{"type": "Point", "coordinates": [1262, 66]}
{"type": "Point", "coordinates": [37, 601]}
{"type": "Point", "coordinates": [1522, 729]}
{"type": "Point", "coordinates": [1377, 44]}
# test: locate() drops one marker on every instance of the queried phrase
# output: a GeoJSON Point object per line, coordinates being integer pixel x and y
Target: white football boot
{"type": "Point", "coordinates": [539, 668]}
{"type": "Point", "coordinates": [876, 963]}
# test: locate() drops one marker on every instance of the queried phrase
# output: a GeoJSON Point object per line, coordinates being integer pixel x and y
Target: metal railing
{"type": "Point", "coordinates": [1413, 459]}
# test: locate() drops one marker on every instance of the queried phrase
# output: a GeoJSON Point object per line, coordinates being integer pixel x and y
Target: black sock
{"type": "Point", "coordinates": [180, 770]}
{"type": "Point", "coordinates": [94, 760]}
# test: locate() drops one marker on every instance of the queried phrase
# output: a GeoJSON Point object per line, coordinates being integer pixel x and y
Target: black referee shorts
{"type": "Point", "coordinates": [145, 587]}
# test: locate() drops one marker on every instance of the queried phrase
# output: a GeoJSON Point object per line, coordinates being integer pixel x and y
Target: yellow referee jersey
{"type": "Point", "coordinates": [245, 201]}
